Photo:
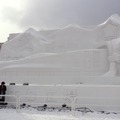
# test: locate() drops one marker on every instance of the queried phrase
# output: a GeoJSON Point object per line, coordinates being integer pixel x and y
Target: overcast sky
{"type": "Point", "coordinates": [18, 15]}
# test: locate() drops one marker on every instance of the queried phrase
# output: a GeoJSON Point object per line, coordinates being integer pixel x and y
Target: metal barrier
{"type": "Point", "coordinates": [90, 104]}
{"type": "Point", "coordinates": [53, 101]}
{"type": "Point", "coordinates": [9, 99]}
{"type": "Point", "coordinates": [57, 101]}
{"type": "Point", "coordinates": [107, 103]}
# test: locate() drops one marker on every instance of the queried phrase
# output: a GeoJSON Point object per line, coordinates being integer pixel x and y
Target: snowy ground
{"type": "Point", "coordinates": [32, 114]}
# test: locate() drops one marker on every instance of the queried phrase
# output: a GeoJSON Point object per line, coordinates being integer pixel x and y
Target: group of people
{"type": "Point", "coordinates": [3, 89]}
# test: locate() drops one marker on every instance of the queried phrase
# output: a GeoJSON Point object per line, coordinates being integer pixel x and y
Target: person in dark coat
{"type": "Point", "coordinates": [3, 89]}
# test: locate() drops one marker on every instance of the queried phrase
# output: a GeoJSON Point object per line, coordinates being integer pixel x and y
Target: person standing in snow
{"type": "Point", "coordinates": [3, 89]}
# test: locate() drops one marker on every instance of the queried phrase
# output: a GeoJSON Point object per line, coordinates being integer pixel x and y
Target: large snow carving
{"type": "Point", "coordinates": [22, 45]}
{"type": "Point", "coordinates": [110, 29]}
{"type": "Point", "coordinates": [70, 38]}
{"type": "Point", "coordinates": [64, 55]}
{"type": "Point", "coordinates": [109, 33]}
{"type": "Point", "coordinates": [114, 57]}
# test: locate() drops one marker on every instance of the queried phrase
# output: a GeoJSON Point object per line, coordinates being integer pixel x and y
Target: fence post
{"type": "Point", "coordinates": [18, 104]}
{"type": "Point", "coordinates": [73, 99]}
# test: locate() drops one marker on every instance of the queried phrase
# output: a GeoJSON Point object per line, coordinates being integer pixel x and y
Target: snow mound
{"type": "Point", "coordinates": [24, 44]}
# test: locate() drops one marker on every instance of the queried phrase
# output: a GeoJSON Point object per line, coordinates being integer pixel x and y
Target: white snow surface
{"type": "Point", "coordinates": [24, 44]}
{"type": "Point", "coordinates": [70, 38]}
{"type": "Point", "coordinates": [115, 19]}
{"type": "Point", "coordinates": [11, 114]}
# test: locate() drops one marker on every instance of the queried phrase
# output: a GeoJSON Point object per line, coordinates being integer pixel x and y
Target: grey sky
{"type": "Point", "coordinates": [56, 13]}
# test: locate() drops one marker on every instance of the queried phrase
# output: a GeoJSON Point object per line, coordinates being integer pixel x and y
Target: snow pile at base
{"type": "Point", "coordinates": [34, 115]}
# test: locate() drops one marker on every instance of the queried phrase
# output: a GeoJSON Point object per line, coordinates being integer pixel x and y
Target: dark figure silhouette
{"type": "Point", "coordinates": [2, 92]}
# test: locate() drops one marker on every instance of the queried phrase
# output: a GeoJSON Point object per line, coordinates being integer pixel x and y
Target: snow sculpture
{"type": "Point", "coordinates": [63, 55]}
{"type": "Point", "coordinates": [63, 61]}
{"type": "Point", "coordinates": [22, 45]}
{"type": "Point", "coordinates": [109, 37]}
{"type": "Point", "coordinates": [114, 57]}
